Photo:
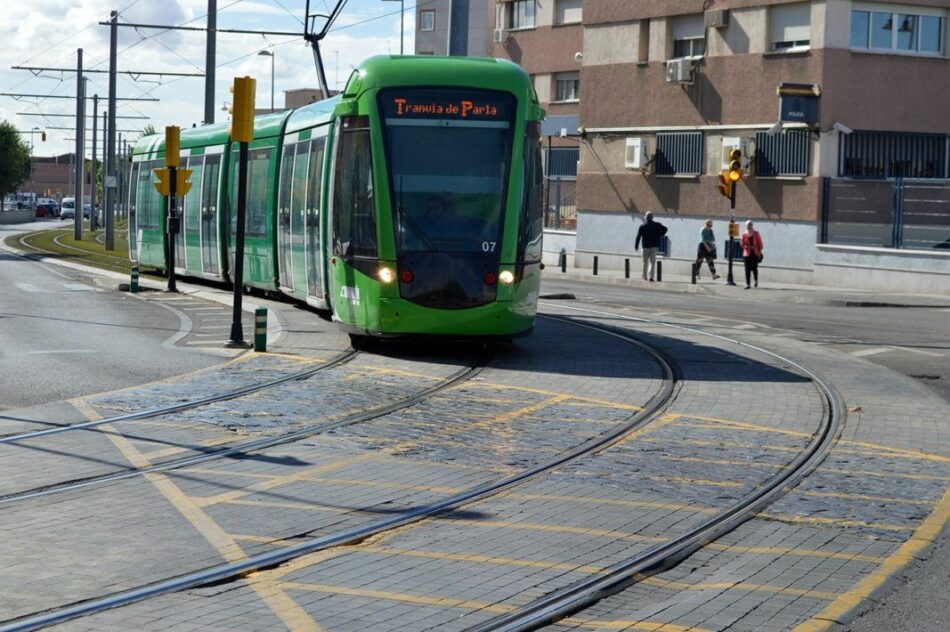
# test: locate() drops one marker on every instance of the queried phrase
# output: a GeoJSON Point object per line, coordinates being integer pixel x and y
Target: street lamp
{"type": "Point", "coordinates": [402, 27]}
{"type": "Point", "coordinates": [267, 53]}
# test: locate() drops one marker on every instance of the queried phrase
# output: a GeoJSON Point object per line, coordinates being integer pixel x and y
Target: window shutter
{"type": "Point", "coordinates": [689, 26]}
{"type": "Point", "coordinates": [791, 22]}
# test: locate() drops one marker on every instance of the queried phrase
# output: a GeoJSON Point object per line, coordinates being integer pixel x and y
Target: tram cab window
{"type": "Point", "coordinates": [354, 200]}
{"type": "Point", "coordinates": [532, 209]}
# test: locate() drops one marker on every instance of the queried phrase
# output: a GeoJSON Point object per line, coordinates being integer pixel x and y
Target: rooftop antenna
{"type": "Point", "coordinates": [315, 35]}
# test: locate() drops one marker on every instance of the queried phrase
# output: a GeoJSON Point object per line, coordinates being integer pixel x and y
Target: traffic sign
{"type": "Point", "coordinates": [182, 185]}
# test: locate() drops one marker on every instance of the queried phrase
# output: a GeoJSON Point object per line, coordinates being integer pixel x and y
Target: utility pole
{"type": "Point", "coordinates": [80, 144]}
{"type": "Point", "coordinates": [92, 195]}
{"type": "Point", "coordinates": [210, 60]}
{"type": "Point", "coordinates": [109, 173]}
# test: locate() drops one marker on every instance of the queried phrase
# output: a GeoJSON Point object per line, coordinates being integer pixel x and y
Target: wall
{"type": "Point", "coordinates": [884, 270]}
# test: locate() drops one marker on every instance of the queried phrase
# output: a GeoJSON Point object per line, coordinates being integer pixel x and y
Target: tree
{"type": "Point", "coordinates": [15, 162]}
{"type": "Point", "coordinates": [149, 130]}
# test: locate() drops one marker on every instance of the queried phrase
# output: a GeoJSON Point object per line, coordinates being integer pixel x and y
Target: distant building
{"type": "Point", "coordinates": [664, 90]}
{"type": "Point", "coordinates": [53, 177]}
{"type": "Point", "coordinates": [454, 27]}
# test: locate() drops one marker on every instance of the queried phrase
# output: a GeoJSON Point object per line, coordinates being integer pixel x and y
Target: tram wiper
{"type": "Point", "coordinates": [412, 224]}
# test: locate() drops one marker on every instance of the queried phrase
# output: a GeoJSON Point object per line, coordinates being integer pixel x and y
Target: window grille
{"type": "Point", "coordinates": [785, 154]}
{"type": "Point", "coordinates": [886, 155]}
{"type": "Point", "coordinates": [562, 162]}
{"type": "Point", "coordinates": [679, 154]}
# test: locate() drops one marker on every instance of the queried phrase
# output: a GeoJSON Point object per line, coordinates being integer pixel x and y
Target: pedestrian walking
{"type": "Point", "coordinates": [751, 243]}
{"type": "Point", "coordinates": [706, 251]}
{"type": "Point", "coordinates": [651, 233]}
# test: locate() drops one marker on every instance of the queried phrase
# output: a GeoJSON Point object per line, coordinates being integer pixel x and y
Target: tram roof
{"type": "Point", "coordinates": [384, 71]}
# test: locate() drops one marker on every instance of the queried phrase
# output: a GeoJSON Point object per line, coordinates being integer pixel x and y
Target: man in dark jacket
{"type": "Point", "coordinates": [651, 233]}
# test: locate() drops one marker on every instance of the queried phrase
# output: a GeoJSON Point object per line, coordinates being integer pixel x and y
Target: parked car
{"type": "Point", "coordinates": [45, 209]}
{"type": "Point", "coordinates": [68, 208]}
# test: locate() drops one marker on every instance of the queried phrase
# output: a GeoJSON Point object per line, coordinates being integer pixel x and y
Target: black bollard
{"type": "Point", "coordinates": [659, 271]}
{"type": "Point", "coordinates": [695, 273]}
{"type": "Point", "coordinates": [595, 265]}
{"type": "Point", "coordinates": [626, 268]}
{"type": "Point", "coordinates": [563, 262]}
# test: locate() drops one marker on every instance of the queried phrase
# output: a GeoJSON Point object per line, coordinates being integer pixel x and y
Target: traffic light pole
{"type": "Point", "coordinates": [730, 280]}
{"type": "Point", "coordinates": [171, 228]}
{"type": "Point", "coordinates": [237, 330]}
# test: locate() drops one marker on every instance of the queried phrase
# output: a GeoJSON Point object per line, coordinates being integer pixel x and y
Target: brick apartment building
{"type": "Point", "coordinates": [663, 89]}
{"type": "Point", "coordinates": [53, 177]}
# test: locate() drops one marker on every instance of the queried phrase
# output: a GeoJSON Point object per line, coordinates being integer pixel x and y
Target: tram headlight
{"type": "Point", "coordinates": [507, 277]}
{"type": "Point", "coordinates": [386, 275]}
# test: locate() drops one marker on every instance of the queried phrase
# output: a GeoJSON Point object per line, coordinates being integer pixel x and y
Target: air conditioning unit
{"type": "Point", "coordinates": [501, 36]}
{"type": "Point", "coordinates": [635, 154]}
{"type": "Point", "coordinates": [679, 71]}
{"type": "Point", "coordinates": [717, 18]}
{"type": "Point", "coordinates": [735, 142]}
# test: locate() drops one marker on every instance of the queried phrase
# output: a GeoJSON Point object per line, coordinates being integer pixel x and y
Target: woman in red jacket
{"type": "Point", "coordinates": [751, 243]}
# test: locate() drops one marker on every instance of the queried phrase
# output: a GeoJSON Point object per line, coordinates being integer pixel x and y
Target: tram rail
{"type": "Point", "coordinates": [652, 410]}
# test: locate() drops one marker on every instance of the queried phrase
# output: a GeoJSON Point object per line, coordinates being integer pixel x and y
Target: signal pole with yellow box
{"type": "Point", "coordinates": [242, 132]}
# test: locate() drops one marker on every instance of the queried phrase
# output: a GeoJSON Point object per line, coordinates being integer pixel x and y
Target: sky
{"type": "Point", "coordinates": [48, 33]}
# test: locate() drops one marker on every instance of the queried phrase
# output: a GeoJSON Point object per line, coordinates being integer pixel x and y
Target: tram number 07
{"type": "Point", "coordinates": [488, 246]}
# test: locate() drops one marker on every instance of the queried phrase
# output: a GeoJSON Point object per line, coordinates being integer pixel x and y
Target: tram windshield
{"type": "Point", "coordinates": [449, 154]}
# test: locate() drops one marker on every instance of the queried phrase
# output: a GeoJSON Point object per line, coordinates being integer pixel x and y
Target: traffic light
{"type": "Point", "coordinates": [735, 165]}
{"type": "Point", "coordinates": [725, 184]}
{"type": "Point", "coordinates": [43, 136]}
{"type": "Point", "coordinates": [242, 109]}
{"type": "Point", "coordinates": [164, 181]}
{"type": "Point", "coordinates": [182, 185]}
{"type": "Point", "coordinates": [172, 146]}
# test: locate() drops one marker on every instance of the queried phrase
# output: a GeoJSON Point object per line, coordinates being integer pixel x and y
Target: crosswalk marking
{"type": "Point", "coordinates": [78, 287]}
{"type": "Point", "coordinates": [27, 287]}
{"type": "Point", "coordinates": [869, 352]}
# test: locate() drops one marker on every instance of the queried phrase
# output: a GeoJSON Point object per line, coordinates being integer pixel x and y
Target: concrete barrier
{"type": "Point", "coordinates": [15, 216]}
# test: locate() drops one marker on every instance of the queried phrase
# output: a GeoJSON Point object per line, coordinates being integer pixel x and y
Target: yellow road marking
{"type": "Point", "coordinates": [778, 551]}
{"type": "Point", "coordinates": [645, 626]}
{"type": "Point", "coordinates": [285, 608]}
{"type": "Point", "coordinates": [882, 499]}
{"type": "Point", "coordinates": [783, 590]}
{"type": "Point", "coordinates": [925, 535]}
{"type": "Point", "coordinates": [742, 425]}
{"type": "Point", "coordinates": [838, 522]}
{"type": "Point", "coordinates": [277, 481]}
{"type": "Point", "coordinates": [895, 453]}
{"type": "Point", "coordinates": [173, 450]}
{"type": "Point", "coordinates": [553, 528]}
{"type": "Point", "coordinates": [879, 474]}
{"type": "Point", "coordinates": [656, 424]}
{"type": "Point", "coordinates": [698, 481]}
{"type": "Point", "coordinates": [696, 459]}
{"type": "Point", "coordinates": [421, 600]}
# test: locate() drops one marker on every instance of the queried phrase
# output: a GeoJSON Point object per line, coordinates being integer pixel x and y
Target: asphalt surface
{"type": "Point", "coordinates": [63, 336]}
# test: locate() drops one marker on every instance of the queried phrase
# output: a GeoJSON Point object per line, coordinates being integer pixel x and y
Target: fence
{"type": "Point", "coordinates": [561, 208]}
{"type": "Point", "coordinates": [910, 214]}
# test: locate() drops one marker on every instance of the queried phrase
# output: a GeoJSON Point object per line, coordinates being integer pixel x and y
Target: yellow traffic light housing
{"type": "Point", "coordinates": [182, 185]}
{"type": "Point", "coordinates": [242, 109]}
{"type": "Point", "coordinates": [725, 184]}
{"type": "Point", "coordinates": [735, 165]}
{"type": "Point", "coordinates": [163, 185]}
{"type": "Point", "coordinates": [172, 146]}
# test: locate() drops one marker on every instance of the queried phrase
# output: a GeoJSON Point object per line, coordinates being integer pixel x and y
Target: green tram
{"type": "Point", "coordinates": [409, 204]}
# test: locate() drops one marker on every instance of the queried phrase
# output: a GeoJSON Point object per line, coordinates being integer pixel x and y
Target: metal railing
{"type": "Point", "coordinates": [561, 210]}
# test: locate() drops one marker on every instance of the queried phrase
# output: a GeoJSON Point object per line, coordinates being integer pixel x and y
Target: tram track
{"type": "Point", "coordinates": [256, 445]}
{"type": "Point", "coordinates": [653, 409]}
{"type": "Point", "coordinates": [584, 593]}
{"type": "Point", "coordinates": [151, 413]}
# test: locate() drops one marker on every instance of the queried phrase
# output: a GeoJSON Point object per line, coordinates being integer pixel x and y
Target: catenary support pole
{"type": "Point", "coordinates": [210, 56]}
{"type": "Point", "coordinates": [109, 179]}
{"type": "Point", "coordinates": [92, 193]}
{"type": "Point", "coordinates": [80, 146]}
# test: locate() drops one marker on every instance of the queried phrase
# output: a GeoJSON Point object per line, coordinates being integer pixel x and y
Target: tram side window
{"type": "Point", "coordinates": [315, 189]}
{"type": "Point", "coordinates": [258, 175]}
{"type": "Point", "coordinates": [150, 201]}
{"type": "Point", "coordinates": [354, 201]}
{"type": "Point", "coordinates": [209, 183]}
{"type": "Point", "coordinates": [299, 197]}
{"type": "Point", "coordinates": [286, 179]}
{"type": "Point", "coordinates": [532, 211]}
{"type": "Point", "coordinates": [134, 188]}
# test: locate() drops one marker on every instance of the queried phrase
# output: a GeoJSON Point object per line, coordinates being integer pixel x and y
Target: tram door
{"type": "Point", "coordinates": [181, 260]}
{"type": "Point", "coordinates": [312, 218]}
{"type": "Point", "coordinates": [209, 215]}
{"type": "Point", "coordinates": [285, 264]}
{"type": "Point", "coordinates": [133, 205]}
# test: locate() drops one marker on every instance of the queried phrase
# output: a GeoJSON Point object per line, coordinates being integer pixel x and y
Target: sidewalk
{"type": "Point", "coordinates": [767, 291]}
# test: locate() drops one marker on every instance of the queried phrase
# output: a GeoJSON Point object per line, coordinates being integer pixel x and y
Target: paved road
{"type": "Point", "coordinates": [911, 341]}
{"type": "Point", "coordinates": [62, 337]}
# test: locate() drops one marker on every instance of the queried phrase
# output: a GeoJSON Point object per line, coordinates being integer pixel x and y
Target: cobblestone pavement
{"type": "Point", "coordinates": [737, 418]}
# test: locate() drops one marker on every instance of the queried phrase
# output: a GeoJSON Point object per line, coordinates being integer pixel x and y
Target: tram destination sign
{"type": "Point", "coordinates": [446, 104]}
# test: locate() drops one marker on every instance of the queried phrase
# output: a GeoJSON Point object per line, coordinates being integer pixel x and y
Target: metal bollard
{"type": "Point", "coordinates": [626, 268]}
{"type": "Point", "coordinates": [659, 271]}
{"type": "Point", "coordinates": [695, 273]}
{"type": "Point", "coordinates": [134, 283]}
{"type": "Point", "coordinates": [595, 265]}
{"type": "Point", "coordinates": [563, 261]}
{"type": "Point", "coordinates": [260, 329]}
